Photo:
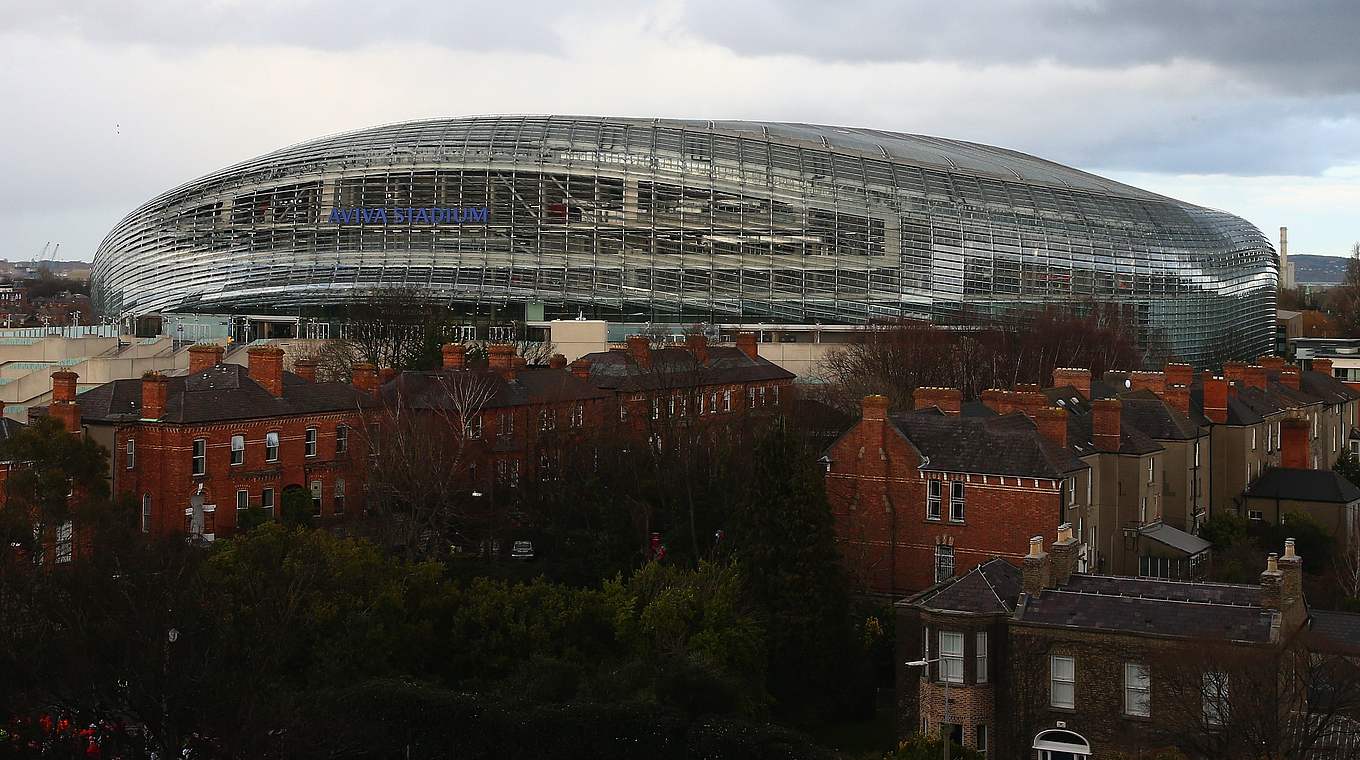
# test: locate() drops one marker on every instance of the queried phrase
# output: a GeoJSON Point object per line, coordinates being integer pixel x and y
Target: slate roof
{"type": "Point", "coordinates": [992, 587]}
{"type": "Point", "coordinates": [1156, 418]}
{"type": "Point", "coordinates": [9, 427]}
{"type": "Point", "coordinates": [1327, 387]}
{"type": "Point", "coordinates": [531, 385]}
{"type": "Point", "coordinates": [617, 370]}
{"type": "Point", "coordinates": [1140, 615]}
{"type": "Point", "coordinates": [1303, 485]}
{"type": "Point", "coordinates": [1079, 439]}
{"type": "Point", "coordinates": [220, 393]}
{"type": "Point", "coordinates": [1000, 445]}
{"type": "Point", "coordinates": [1331, 631]}
{"type": "Point", "coordinates": [1239, 413]}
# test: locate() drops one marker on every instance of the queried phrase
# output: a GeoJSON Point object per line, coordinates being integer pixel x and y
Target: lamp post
{"type": "Point", "coordinates": [944, 717]}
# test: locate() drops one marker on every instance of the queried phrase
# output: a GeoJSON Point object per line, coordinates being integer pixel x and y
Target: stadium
{"type": "Point", "coordinates": [682, 221]}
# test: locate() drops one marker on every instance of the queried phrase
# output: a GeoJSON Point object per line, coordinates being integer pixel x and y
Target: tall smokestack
{"type": "Point", "coordinates": [1286, 272]}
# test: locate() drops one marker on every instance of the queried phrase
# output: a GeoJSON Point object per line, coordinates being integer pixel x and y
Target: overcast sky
{"type": "Point", "coordinates": [1251, 106]}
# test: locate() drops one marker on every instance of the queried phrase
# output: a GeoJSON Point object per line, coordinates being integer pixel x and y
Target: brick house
{"type": "Point", "coordinates": [655, 388]}
{"type": "Point", "coordinates": [236, 436]}
{"type": "Point", "coordinates": [1041, 661]}
{"type": "Point", "coordinates": [923, 496]}
{"type": "Point", "coordinates": [511, 420]}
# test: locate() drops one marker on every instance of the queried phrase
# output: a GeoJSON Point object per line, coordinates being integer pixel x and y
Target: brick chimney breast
{"type": "Point", "coordinates": [947, 400]}
{"type": "Point", "coordinates": [1105, 423]}
{"type": "Point", "coordinates": [1272, 584]}
{"type": "Point", "coordinates": [204, 356]}
{"type": "Point", "coordinates": [1255, 377]}
{"type": "Point", "coordinates": [1052, 424]}
{"type": "Point", "coordinates": [640, 350]}
{"type": "Point", "coordinates": [1153, 381]}
{"type": "Point", "coordinates": [746, 341]}
{"type": "Point", "coordinates": [557, 361]}
{"type": "Point", "coordinates": [155, 388]}
{"type": "Point", "coordinates": [454, 356]}
{"type": "Point", "coordinates": [697, 345]}
{"type": "Point", "coordinates": [1077, 378]}
{"type": "Point", "coordinates": [265, 365]}
{"type": "Point", "coordinates": [500, 358]}
{"type": "Point", "coordinates": [385, 375]}
{"type": "Point", "coordinates": [998, 400]}
{"type": "Point", "coordinates": [305, 369]}
{"type": "Point", "coordinates": [1177, 397]}
{"type": "Point", "coordinates": [1289, 377]}
{"type": "Point", "coordinates": [64, 406]}
{"type": "Point", "coordinates": [581, 368]}
{"type": "Point", "coordinates": [364, 378]}
{"type": "Point", "coordinates": [1321, 365]}
{"type": "Point", "coordinates": [874, 408]}
{"type": "Point", "coordinates": [1291, 586]}
{"type": "Point", "coordinates": [1235, 372]}
{"type": "Point", "coordinates": [1215, 398]}
{"type": "Point", "coordinates": [1271, 363]}
{"type": "Point", "coordinates": [1179, 374]}
{"type": "Point", "coordinates": [1294, 443]}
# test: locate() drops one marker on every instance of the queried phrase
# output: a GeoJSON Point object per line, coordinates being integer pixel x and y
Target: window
{"type": "Point", "coordinates": [623, 411]}
{"type": "Point", "coordinates": [507, 423]}
{"type": "Point", "coordinates": [309, 442]}
{"type": "Point", "coordinates": [727, 400]}
{"type": "Point", "coordinates": [238, 449]}
{"type": "Point", "coordinates": [1152, 469]}
{"type": "Point", "coordinates": [338, 501]}
{"type": "Point", "coordinates": [944, 562]}
{"type": "Point", "coordinates": [1142, 510]}
{"type": "Point", "coordinates": [342, 436]}
{"type": "Point", "coordinates": [956, 501]}
{"type": "Point", "coordinates": [1137, 693]}
{"type": "Point", "coordinates": [547, 419]}
{"type": "Point", "coordinates": [933, 499]}
{"type": "Point", "coordinates": [200, 460]}
{"type": "Point", "coordinates": [146, 513]}
{"type": "Point", "coordinates": [750, 397]}
{"type": "Point", "coordinates": [1072, 490]}
{"type": "Point", "coordinates": [951, 656]}
{"type": "Point", "coordinates": [1253, 439]}
{"type": "Point", "coordinates": [267, 502]}
{"type": "Point", "coordinates": [713, 403]}
{"type": "Point", "coordinates": [65, 534]}
{"type": "Point", "coordinates": [473, 426]}
{"type": "Point", "coordinates": [1255, 514]}
{"type": "Point", "coordinates": [131, 453]}
{"type": "Point", "coordinates": [271, 447]}
{"type": "Point", "coordinates": [1197, 453]}
{"type": "Point", "coordinates": [1315, 425]}
{"type": "Point", "coordinates": [982, 738]}
{"type": "Point", "coordinates": [656, 408]}
{"type": "Point", "coordinates": [775, 389]}
{"type": "Point", "coordinates": [578, 415]}
{"type": "Point", "coordinates": [980, 656]}
{"type": "Point", "coordinates": [316, 498]}
{"type": "Point", "coordinates": [242, 504]}
{"type": "Point", "coordinates": [1062, 681]}
{"type": "Point", "coordinates": [1215, 698]}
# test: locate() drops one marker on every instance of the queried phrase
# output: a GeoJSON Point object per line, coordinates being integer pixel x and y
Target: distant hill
{"type": "Point", "coordinates": [1311, 268]}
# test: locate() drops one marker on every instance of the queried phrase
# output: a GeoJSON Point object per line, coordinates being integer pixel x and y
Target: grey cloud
{"type": "Point", "coordinates": [1309, 46]}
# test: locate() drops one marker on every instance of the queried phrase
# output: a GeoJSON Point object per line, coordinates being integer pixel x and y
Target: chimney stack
{"type": "Point", "coordinates": [204, 356]}
{"type": "Point", "coordinates": [64, 406]}
{"type": "Point", "coordinates": [454, 356]}
{"type": "Point", "coordinates": [1270, 362]}
{"type": "Point", "coordinates": [305, 369]}
{"type": "Point", "coordinates": [1235, 372]}
{"type": "Point", "coordinates": [1153, 381]}
{"type": "Point", "coordinates": [1291, 590]}
{"type": "Point", "coordinates": [1294, 443]}
{"type": "Point", "coordinates": [697, 344]}
{"type": "Point", "coordinates": [1179, 374]}
{"type": "Point", "coordinates": [265, 365]}
{"type": "Point", "coordinates": [581, 368]}
{"type": "Point", "coordinates": [1289, 377]}
{"type": "Point", "coordinates": [1077, 378]}
{"type": "Point", "coordinates": [1272, 584]}
{"type": "Point", "coordinates": [1286, 269]}
{"type": "Point", "coordinates": [1052, 424]}
{"type": "Point", "coordinates": [500, 358]}
{"type": "Point", "coordinates": [998, 400]}
{"type": "Point", "coordinates": [1256, 377]}
{"type": "Point", "coordinates": [1037, 569]}
{"type": "Point", "coordinates": [365, 378]}
{"type": "Point", "coordinates": [557, 361]}
{"type": "Point", "coordinates": [1321, 365]}
{"type": "Point", "coordinates": [1063, 557]}
{"type": "Point", "coordinates": [155, 387]}
{"type": "Point", "coordinates": [640, 350]}
{"type": "Point", "coordinates": [385, 374]}
{"type": "Point", "coordinates": [746, 341]}
{"type": "Point", "coordinates": [1105, 423]}
{"type": "Point", "coordinates": [1215, 398]}
{"type": "Point", "coordinates": [947, 400]}
{"type": "Point", "coordinates": [1178, 397]}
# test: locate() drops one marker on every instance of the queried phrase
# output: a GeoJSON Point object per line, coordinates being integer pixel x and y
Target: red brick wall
{"type": "Point", "coordinates": [878, 499]}
{"type": "Point", "coordinates": [163, 466]}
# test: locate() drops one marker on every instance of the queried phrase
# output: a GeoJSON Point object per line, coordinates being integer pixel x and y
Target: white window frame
{"type": "Point", "coordinates": [309, 439]}
{"type": "Point", "coordinates": [238, 450]}
{"type": "Point", "coordinates": [315, 491]}
{"type": "Point", "coordinates": [944, 559]}
{"type": "Point", "coordinates": [342, 436]}
{"type": "Point", "coordinates": [65, 542]}
{"type": "Point", "coordinates": [951, 657]}
{"type": "Point", "coordinates": [267, 501]}
{"type": "Point", "coordinates": [338, 497]}
{"type": "Point", "coordinates": [956, 499]}
{"type": "Point", "coordinates": [199, 457]}
{"type": "Point", "coordinates": [1137, 690]}
{"type": "Point", "coordinates": [1152, 470]}
{"type": "Point", "coordinates": [934, 500]}
{"type": "Point", "coordinates": [242, 503]}
{"type": "Point", "coordinates": [272, 439]}
{"type": "Point", "coordinates": [146, 513]}
{"type": "Point", "coordinates": [1062, 686]}
{"type": "Point", "coordinates": [578, 415]}
{"type": "Point", "coordinates": [131, 449]}
{"type": "Point", "coordinates": [547, 420]}
{"type": "Point", "coordinates": [727, 400]}
{"type": "Point", "coordinates": [980, 656]}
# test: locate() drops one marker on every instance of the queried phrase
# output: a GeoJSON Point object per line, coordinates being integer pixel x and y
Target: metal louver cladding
{"type": "Point", "coordinates": [685, 221]}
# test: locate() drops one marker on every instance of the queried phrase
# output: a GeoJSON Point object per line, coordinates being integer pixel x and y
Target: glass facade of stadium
{"type": "Point", "coordinates": [689, 221]}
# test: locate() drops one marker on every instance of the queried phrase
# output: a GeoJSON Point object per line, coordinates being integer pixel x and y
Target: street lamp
{"type": "Point", "coordinates": [944, 717]}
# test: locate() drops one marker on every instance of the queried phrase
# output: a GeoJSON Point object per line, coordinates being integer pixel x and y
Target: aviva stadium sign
{"type": "Point", "coordinates": [411, 215]}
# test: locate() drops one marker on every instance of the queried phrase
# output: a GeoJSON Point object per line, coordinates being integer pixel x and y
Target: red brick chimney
{"type": "Point", "coordinates": [1028, 401]}
{"type": "Point", "coordinates": [454, 355]}
{"type": "Point", "coordinates": [1289, 376]}
{"type": "Point", "coordinates": [1235, 372]}
{"type": "Point", "coordinates": [364, 378]}
{"type": "Point", "coordinates": [1077, 378]}
{"type": "Point", "coordinates": [746, 341]}
{"type": "Point", "coordinates": [518, 363]}
{"type": "Point", "coordinates": [265, 364]}
{"type": "Point", "coordinates": [1271, 363]}
{"type": "Point", "coordinates": [1052, 424]}
{"type": "Point", "coordinates": [204, 356]}
{"type": "Point", "coordinates": [155, 387]}
{"type": "Point", "coordinates": [557, 361]}
{"type": "Point", "coordinates": [697, 344]}
{"type": "Point", "coordinates": [305, 369]}
{"type": "Point", "coordinates": [581, 368]}
{"type": "Point", "coordinates": [1105, 414]}
{"type": "Point", "coordinates": [1321, 365]}
{"type": "Point", "coordinates": [1178, 374]}
{"type": "Point", "coordinates": [998, 400]}
{"type": "Point", "coordinates": [64, 406]}
{"type": "Point", "coordinates": [500, 358]}
{"type": "Point", "coordinates": [1177, 397]}
{"type": "Point", "coordinates": [1215, 398]}
{"type": "Point", "coordinates": [640, 350]}
{"type": "Point", "coordinates": [1153, 381]}
{"type": "Point", "coordinates": [947, 400]}
{"type": "Point", "coordinates": [1294, 443]}
{"type": "Point", "coordinates": [386, 374]}
{"type": "Point", "coordinates": [1255, 377]}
